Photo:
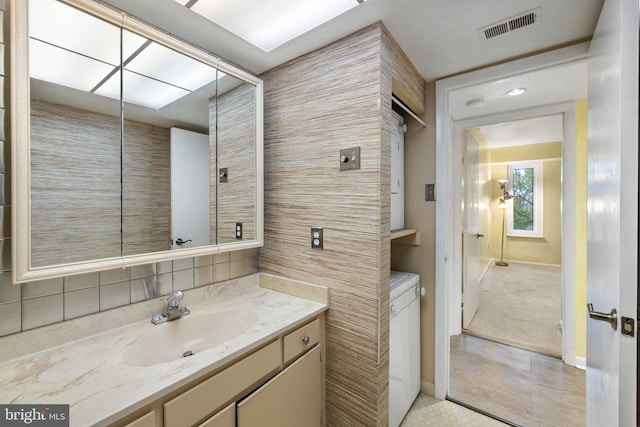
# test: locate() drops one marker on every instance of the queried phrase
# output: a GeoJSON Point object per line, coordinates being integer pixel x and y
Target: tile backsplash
{"type": "Point", "coordinates": [31, 305]}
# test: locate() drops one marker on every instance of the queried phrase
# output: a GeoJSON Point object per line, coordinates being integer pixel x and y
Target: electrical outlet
{"type": "Point", "coordinates": [317, 240]}
{"type": "Point", "coordinates": [238, 231]}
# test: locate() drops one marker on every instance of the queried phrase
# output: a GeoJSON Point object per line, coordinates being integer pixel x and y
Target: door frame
{"type": "Point", "coordinates": [449, 194]}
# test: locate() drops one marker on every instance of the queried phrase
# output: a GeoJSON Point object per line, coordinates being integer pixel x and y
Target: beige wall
{"type": "Point", "coordinates": [337, 97]}
{"type": "Point", "coordinates": [548, 249]}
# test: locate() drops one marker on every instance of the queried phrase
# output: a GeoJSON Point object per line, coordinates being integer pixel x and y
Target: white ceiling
{"type": "Point", "coordinates": [523, 132]}
{"type": "Point", "coordinates": [439, 36]}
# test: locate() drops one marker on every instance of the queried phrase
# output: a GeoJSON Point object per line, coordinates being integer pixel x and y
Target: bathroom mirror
{"type": "Point", "coordinates": [128, 146]}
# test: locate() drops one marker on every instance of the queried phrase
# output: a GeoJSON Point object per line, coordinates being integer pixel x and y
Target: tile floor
{"type": "Point", "coordinates": [428, 411]}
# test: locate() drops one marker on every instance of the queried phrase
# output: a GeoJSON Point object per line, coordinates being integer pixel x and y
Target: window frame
{"type": "Point", "coordinates": [538, 196]}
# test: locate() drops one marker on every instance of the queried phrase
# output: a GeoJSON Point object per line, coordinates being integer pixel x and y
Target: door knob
{"type": "Point", "coordinates": [181, 242]}
{"type": "Point", "coordinates": [611, 318]}
{"type": "Point", "coordinates": [478, 235]}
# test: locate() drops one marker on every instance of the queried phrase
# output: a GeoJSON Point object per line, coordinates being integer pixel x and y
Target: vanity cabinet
{"type": "Point", "coordinates": [280, 384]}
{"type": "Point", "coordinates": [291, 399]}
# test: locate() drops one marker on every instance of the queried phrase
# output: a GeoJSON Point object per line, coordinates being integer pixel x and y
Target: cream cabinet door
{"type": "Point", "coordinates": [291, 399]}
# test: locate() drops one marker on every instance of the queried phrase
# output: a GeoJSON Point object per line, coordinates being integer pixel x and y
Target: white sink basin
{"type": "Point", "coordinates": [192, 333]}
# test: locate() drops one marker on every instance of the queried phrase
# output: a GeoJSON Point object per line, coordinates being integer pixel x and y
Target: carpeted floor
{"type": "Point", "coordinates": [520, 306]}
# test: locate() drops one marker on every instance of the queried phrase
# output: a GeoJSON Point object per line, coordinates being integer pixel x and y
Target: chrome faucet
{"type": "Point", "coordinates": [174, 311]}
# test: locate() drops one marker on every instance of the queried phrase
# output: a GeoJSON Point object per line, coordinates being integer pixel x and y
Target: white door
{"type": "Point", "coordinates": [190, 189]}
{"type": "Point", "coordinates": [470, 229]}
{"type": "Point", "coordinates": [612, 213]}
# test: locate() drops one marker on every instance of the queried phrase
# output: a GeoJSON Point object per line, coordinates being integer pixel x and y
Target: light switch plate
{"type": "Point", "coordinates": [223, 175]}
{"type": "Point", "coordinates": [238, 231]}
{"type": "Point", "coordinates": [349, 159]}
{"type": "Point", "coordinates": [430, 192]}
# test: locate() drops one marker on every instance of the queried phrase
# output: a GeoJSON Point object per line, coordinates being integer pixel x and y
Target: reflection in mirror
{"type": "Point", "coordinates": [235, 204]}
{"type": "Point", "coordinates": [166, 146]}
{"type": "Point", "coordinates": [81, 210]}
{"type": "Point", "coordinates": [99, 144]}
{"type": "Point", "coordinates": [75, 136]}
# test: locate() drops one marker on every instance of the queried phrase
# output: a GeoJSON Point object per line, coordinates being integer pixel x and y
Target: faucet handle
{"type": "Point", "coordinates": [175, 299]}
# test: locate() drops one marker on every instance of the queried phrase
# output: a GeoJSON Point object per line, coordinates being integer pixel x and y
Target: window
{"type": "Point", "coordinates": [525, 209]}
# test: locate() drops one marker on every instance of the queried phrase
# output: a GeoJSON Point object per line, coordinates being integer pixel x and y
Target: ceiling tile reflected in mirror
{"type": "Point", "coordinates": [74, 49]}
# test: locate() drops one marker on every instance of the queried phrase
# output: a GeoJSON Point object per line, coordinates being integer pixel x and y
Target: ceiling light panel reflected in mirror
{"type": "Point", "coordinates": [61, 52]}
{"type": "Point", "coordinates": [268, 24]}
{"type": "Point", "coordinates": [55, 65]}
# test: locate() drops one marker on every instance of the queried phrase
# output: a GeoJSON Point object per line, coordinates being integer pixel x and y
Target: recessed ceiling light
{"type": "Point", "coordinates": [516, 91]}
{"type": "Point", "coordinates": [475, 103]}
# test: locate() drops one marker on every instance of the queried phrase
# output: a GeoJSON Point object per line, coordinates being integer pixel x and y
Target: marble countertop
{"type": "Point", "coordinates": [92, 375]}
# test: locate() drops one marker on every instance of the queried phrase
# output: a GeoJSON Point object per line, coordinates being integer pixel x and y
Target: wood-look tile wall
{"type": "Point", "coordinates": [333, 98]}
{"type": "Point", "coordinates": [75, 167]}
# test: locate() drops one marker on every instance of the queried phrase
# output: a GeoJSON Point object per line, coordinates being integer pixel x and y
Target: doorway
{"type": "Point", "coordinates": [511, 342]}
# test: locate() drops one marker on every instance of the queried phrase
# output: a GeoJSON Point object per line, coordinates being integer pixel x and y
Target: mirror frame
{"type": "Point", "coordinates": [22, 271]}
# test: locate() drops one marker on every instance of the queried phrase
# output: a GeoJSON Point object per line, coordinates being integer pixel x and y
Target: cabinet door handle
{"type": "Point", "coordinates": [305, 340]}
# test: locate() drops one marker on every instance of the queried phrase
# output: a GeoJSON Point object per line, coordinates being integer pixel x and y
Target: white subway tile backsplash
{"type": "Point", "coordinates": [42, 311]}
{"type": "Point", "coordinates": [203, 260]}
{"type": "Point", "coordinates": [81, 302]}
{"type": "Point", "coordinates": [42, 288]}
{"type": "Point", "coordinates": [182, 264]}
{"type": "Point", "coordinates": [82, 281]}
{"type": "Point", "coordinates": [164, 267]}
{"type": "Point", "coordinates": [41, 303]}
{"type": "Point", "coordinates": [203, 275]}
{"type": "Point", "coordinates": [8, 291]}
{"type": "Point", "coordinates": [141, 271]}
{"type": "Point", "coordinates": [5, 222]}
{"type": "Point", "coordinates": [5, 253]}
{"type": "Point", "coordinates": [115, 295]}
{"type": "Point", "coordinates": [10, 318]}
{"type": "Point", "coordinates": [115, 275]}
{"type": "Point", "coordinates": [223, 257]}
{"type": "Point", "coordinates": [221, 272]}
{"type": "Point", "coordinates": [183, 280]}
{"type": "Point", "coordinates": [165, 283]}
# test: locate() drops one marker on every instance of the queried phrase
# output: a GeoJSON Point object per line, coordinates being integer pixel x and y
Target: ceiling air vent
{"type": "Point", "coordinates": [510, 24]}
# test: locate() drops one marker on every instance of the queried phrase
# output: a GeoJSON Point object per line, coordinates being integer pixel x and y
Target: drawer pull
{"type": "Point", "coordinates": [305, 340]}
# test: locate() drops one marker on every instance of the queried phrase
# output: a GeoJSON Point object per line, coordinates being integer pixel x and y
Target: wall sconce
{"type": "Point", "coordinates": [502, 204]}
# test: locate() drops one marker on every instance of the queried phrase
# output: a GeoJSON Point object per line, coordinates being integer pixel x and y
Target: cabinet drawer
{"type": "Point", "coordinates": [224, 418]}
{"type": "Point", "coordinates": [148, 420]}
{"type": "Point", "coordinates": [300, 340]}
{"type": "Point", "coordinates": [208, 396]}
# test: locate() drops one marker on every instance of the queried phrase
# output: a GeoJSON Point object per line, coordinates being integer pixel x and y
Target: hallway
{"type": "Point", "coordinates": [521, 386]}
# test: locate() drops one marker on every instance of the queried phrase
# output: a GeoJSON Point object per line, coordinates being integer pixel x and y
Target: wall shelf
{"type": "Point", "coordinates": [406, 236]}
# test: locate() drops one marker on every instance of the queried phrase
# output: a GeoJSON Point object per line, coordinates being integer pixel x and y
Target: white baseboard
{"type": "Point", "coordinates": [541, 264]}
{"type": "Point", "coordinates": [484, 272]}
{"type": "Point", "coordinates": [581, 363]}
{"type": "Point", "coordinates": [428, 388]}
